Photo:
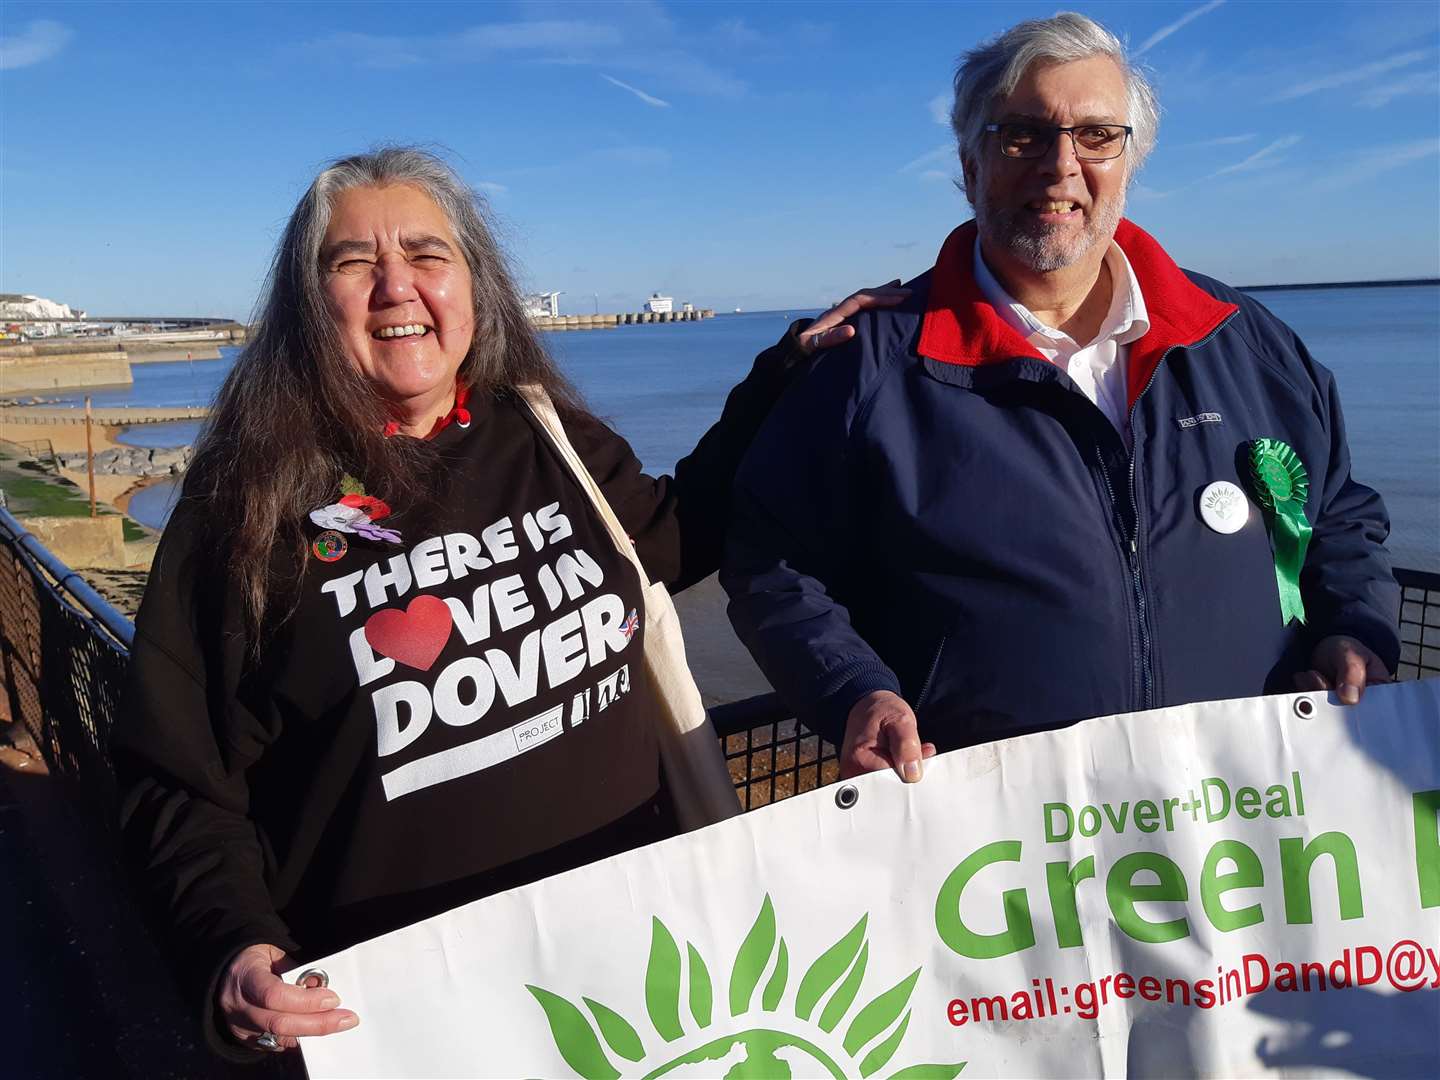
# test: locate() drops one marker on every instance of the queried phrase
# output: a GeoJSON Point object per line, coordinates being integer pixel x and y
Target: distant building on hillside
{"type": "Point", "coordinates": [31, 313]}
{"type": "Point", "coordinates": [542, 305]}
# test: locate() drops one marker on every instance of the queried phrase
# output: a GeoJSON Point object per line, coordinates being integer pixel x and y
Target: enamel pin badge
{"type": "Point", "coordinates": [330, 546]}
{"type": "Point", "coordinates": [1224, 507]}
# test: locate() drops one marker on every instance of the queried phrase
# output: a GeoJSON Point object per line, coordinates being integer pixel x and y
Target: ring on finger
{"type": "Point", "coordinates": [815, 339]}
{"type": "Point", "coordinates": [270, 1042]}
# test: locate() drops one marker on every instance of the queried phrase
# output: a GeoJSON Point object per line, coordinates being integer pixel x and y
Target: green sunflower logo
{"type": "Point", "coordinates": [771, 1032]}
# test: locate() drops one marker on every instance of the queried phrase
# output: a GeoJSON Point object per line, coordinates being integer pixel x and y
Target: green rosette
{"type": "Point", "coordinates": [1281, 484]}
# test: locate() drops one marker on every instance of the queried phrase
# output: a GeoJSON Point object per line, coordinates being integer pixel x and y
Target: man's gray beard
{"type": "Point", "coordinates": [1037, 246]}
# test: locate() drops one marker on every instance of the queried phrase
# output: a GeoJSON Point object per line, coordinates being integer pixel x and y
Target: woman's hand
{"type": "Point", "coordinates": [254, 1001]}
{"type": "Point", "coordinates": [829, 330]}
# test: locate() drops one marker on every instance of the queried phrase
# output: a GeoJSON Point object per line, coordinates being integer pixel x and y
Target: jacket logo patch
{"type": "Point", "coordinates": [1184, 422]}
{"type": "Point", "coordinates": [414, 636]}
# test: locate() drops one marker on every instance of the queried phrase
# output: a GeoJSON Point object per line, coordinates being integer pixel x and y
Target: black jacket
{"type": "Point", "coordinates": [258, 799]}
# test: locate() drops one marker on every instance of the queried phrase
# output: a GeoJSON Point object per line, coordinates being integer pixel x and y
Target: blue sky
{"type": "Point", "coordinates": [771, 155]}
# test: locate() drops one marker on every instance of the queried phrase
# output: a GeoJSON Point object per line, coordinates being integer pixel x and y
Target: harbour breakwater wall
{"type": "Point", "coordinates": [68, 364]}
{"type": "Point", "coordinates": [161, 352]}
{"type": "Point", "coordinates": [184, 344]}
{"type": "Point", "coordinates": [627, 318]}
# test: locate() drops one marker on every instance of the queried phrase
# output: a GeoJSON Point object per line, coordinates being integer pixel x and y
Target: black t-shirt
{"type": "Point", "coordinates": [457, 702]}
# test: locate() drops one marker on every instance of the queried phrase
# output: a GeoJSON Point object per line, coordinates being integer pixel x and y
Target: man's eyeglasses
{"type": "Point", "coordinates": [1093, 142]}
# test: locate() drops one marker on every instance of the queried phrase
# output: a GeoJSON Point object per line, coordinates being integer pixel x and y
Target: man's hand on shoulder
{"type": "Point", "coordinates": [881, 733]}
{"type": "Point", "coordinates": [1344, 665]}
{"type": "Point", "coordinates": [830, 329]}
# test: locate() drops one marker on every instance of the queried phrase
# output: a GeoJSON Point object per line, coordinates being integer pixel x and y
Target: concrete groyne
{"type": "Point", "coordinates": [610, 321]}
{"type": "Point", "coordinates": [112, 416]}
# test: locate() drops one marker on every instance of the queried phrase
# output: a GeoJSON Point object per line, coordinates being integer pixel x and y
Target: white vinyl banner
{"type": "Point", "coordinates": [1235, 888]}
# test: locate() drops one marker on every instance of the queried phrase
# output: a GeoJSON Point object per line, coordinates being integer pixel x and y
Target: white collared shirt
{"type": "Point", "coordinates": [1098, 368]}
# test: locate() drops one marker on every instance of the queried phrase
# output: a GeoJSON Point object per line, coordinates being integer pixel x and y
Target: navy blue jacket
{"type": "Point", "coordinates": [940, 512]}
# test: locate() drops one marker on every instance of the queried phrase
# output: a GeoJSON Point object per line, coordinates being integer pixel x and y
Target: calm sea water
{"type": "Point", "coordinates": [663, 385]}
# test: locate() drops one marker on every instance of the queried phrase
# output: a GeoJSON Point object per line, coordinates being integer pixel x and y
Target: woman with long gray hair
{"type": "Point", "coordinates": [389, 589]}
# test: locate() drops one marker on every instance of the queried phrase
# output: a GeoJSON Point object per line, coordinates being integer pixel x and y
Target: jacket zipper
{"type": "Point", "coordinates": [1132, 556]}
{"type": "Point", "coordinates": [930, 675]}
{"type": "Point", "coordinates": [1139, 656]}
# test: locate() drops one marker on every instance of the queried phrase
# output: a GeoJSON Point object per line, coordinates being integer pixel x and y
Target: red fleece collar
{"type": "Point", "coordinates": [962, 327]}
{"type": "Point", "coordinates": [458, 414]}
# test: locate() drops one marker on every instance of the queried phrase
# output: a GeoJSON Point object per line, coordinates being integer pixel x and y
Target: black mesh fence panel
{"type": "Point", "coordinates": [62, 674]}
{"type": "Point", "coordinates": [771, 756]}
{"type": "Point", "coordinates": [1419, 624]}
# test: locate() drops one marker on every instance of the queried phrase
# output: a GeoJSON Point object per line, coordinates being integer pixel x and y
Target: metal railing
{"type": "Point", "coordinates": [771, 756]}
{"type": "Point", "coordinates": [769, 753]}
{"type": "Point", "coordinates": [63, 652]}
{"type": "Point", "coordinates": [1419, 624]}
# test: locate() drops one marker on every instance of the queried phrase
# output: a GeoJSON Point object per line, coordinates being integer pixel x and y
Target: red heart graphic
{"type": "Point", "coordinates": [414, 636]}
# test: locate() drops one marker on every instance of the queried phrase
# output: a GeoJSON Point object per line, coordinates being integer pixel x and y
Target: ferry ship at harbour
{"type": "Point", "coordinates": [659, 305]}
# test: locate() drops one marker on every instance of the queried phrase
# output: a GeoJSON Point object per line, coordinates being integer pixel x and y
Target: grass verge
{"type": "Point", "coordinates": [31, 490]}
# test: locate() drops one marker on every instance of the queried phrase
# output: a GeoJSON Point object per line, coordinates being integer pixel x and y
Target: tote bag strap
{"type": "Point", "coordinates": [699, 780]}
{"type": "Point", "coordinates": [544, 410]}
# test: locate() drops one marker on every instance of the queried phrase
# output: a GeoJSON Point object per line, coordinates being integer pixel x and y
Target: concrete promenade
{"type": "Point", "coordinates": [86, 993]}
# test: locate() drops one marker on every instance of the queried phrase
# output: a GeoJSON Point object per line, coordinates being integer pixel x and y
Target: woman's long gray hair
{"type": "Point", "coordinates": [294, 415]}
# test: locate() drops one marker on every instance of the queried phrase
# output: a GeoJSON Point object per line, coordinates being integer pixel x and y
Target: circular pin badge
{"type": "Point", "coordinates": [330, 546]}
{"type": "Point", "coordinates": [1224, 507]}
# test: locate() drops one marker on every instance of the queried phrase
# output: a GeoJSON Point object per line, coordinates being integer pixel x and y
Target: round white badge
{"type": "Point", "coordinates": [1224, 507]}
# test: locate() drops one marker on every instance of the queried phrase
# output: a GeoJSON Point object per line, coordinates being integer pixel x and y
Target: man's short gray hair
{"type": "Point", "coordinates": [994, 68]}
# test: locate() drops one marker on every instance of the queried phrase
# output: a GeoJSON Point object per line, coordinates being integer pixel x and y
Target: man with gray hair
{"type": "Point", "coordinates": [1066, 478]}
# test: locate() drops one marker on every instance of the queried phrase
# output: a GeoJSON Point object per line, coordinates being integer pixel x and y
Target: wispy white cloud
{"type": "Point", "coordinates": [538, 34]}
{"type": "Point", "coordinates": [677, 68]}
{"type": "Point", "coordinates": [939, 107]}
{"type": "Point", "coordinates": [935, 174]}
{"type": "Point", "coordinates": [603, 160]}
{"type": "Point", "coordinates": [814, 33]}
{"type": "Point", "coordinates": [1351, 75]}
{"type": "Point", "coordinates": [941, 153]}
{"type": "Point", "coordinates": [1224, 140]}
{"type": "Point", "coordinates": [474, 42]}
{"type": "Point", "coordinates": [641, 156]}
{"type": "Point", "coordinates": [739, 32]}
{"type": "Point", "coordinates": [646, 98]}
{"type": "Point", "coordinates": [39, 41]}
{"type": "Point", "coordinates": [1262, 158]}
{"type": "Point", "coordinates": [491, 187]}
{"type": "Point", "coordinates": [1141, 191]}
{"type": "Point", "coordinates": [639, 40]}
{"type": "Point", "coordinates": [1165, 31]}
{"type": "Point", "coordinates": [1421, 82]}
{"type": "Point", "coordinates": [370, 50]}
{"type": "Point", "coordinates": [1370, 163]}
